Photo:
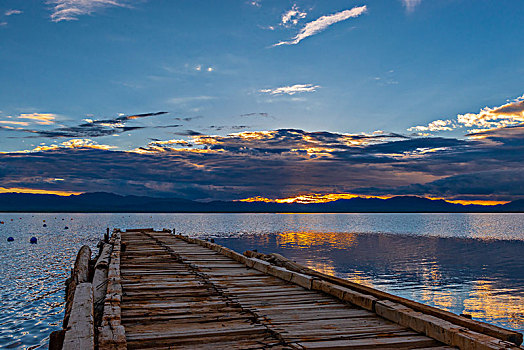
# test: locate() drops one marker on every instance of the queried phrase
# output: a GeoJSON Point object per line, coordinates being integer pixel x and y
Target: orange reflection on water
{"type": "Point", "coordinates": [484, 302]}
{"type": "Point", "coordinates": [328, 267]}
{"type": "Point", "coordinates": [305, 239]}
{"type": "Point", "coordinates": [442, 299]}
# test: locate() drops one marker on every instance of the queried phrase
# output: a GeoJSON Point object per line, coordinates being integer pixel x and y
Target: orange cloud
{"type": "Point", "coordinates": [14, 122]}
{"type": "Point", "coordinates": [40, 118]}
{"type": "Point", "coordinates": [73, 143]}
{"type": "Point", "coordinates": [488, 118]}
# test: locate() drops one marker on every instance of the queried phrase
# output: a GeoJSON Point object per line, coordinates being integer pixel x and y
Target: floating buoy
{"type": "Point", "coordinates": [66, 228]}
{"type": "Point", "coordinates": [33, 240]}
{"type": "Point", "coordinates": [11, 219]}
{"type": "Point", "coordinates": [45, 225]}
{"type": "Point", "coordinates": [62, 219]}
{"type": "Point", "coordinates": [10, 239]}
{"type": "Point", "coordinates": [43, 220]}
{"type": "Point", "coordinates": [1, 222]}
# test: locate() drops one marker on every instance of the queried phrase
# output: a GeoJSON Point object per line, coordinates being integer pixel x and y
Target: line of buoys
{"type": "Point", "coordinates": [33, 240]}
{"type": "Point", "coordinates": [10, 239]}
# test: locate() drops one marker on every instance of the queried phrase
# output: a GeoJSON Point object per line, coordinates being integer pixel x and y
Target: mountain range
{"type": "Point", "coordinates": [112, 203]}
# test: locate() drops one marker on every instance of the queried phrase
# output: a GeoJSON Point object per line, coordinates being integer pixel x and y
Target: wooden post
{"type": "Point", "coordinates": [106, 236]}
{"type": "Point", "coordinates": [79, 274]}
{"type": "Point", "coordinates": [111, 334]}
{"type": "Point", "coordinates": [80, 333]}
{"type": "Point", "coordinates": [100, 281]}
{"type": "Point", "coordinates": [56, 340]}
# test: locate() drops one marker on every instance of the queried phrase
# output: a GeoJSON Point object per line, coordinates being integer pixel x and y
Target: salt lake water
{"type": "Point", "coordinates": [464, 263]}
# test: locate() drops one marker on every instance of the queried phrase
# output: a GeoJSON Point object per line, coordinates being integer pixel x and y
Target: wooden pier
{"type": "Point", "coordinates": [157, 290]}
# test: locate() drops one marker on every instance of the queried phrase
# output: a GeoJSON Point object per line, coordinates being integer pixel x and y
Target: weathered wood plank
{"type": "Point", "coordinates": [411, 342]}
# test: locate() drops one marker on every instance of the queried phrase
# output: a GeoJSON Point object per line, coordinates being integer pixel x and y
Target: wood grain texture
{"type": "Point", "coordinates": [176, 293]}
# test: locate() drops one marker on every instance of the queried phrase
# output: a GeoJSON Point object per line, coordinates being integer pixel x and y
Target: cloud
{"type": "Point", "coordinates": [506, 115]}
{"type": "Point", "coordinates": [232, 127]}
{"type": "Point", "coordinates": [292, 16]}
{"type": "Point", "coordinates": [320, 24]}
{"type": "Point", "coordinates": [255, 114]}
{"type": "Point", "coordinates": [511, 113]}
{"type": "Point", "coordinates": [187, 119]}
{"type": "Point", "coordinates": [282, 163]}
{"type": "Point", "coordinates": [437, 125]}
{"type": "Point", "coordinates": [12, 12]}
{"type": "Point", "coordinates": [188, 133]}
{"type": "Point", "coordinates": [37, 118]}
{"type": "Point", "coordinates": [411, 4]}
{"type": "Point", "coordinates": [73, 143]}
{"type": "Point", "coordinates": [12, 122]}
{"type": "Point", "coordinates": [69, 10]}
{"type": "Point", "coordinates": [255, 3]}
{"type": "Point", "coordinates": [291, 90]}
{"type": "Point", "coordinates": [89, 129]}
{"type": "Point", "coordinates": [40, 118]}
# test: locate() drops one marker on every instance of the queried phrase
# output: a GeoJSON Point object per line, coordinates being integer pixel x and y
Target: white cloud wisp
{"type": "Point", "coordinates": [320, 24]}
{"type": "Point", "coordinates": [293, 16]}
{"type": "Point", "coordinates": [411, 4]}
{"type": "Point", "coordinates": [291, 90]}
{"type": "Point", "coordinates": [70, 10]}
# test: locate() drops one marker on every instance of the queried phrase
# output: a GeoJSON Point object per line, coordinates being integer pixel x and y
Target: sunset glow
{"type": "Point", "coordinates": [331, 197]}
{"type": "Point", "coordinates": [37, 191]}
{"type": "Point", "coordinates": [311, 198]}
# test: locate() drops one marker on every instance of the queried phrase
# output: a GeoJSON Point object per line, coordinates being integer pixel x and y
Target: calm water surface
{"type": "Point", "coordinates": [464, 263]}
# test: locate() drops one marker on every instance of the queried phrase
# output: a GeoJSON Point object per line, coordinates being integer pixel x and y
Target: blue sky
{"type": "Point", "coordinates": [75, 73]}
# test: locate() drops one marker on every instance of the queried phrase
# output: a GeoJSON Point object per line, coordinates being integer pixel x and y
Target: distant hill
{"type": "Point", "coordinates": [102, 202]}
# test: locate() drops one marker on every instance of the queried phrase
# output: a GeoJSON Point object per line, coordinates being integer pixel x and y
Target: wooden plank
{"type": "Point", "coordinates": [411, 342]}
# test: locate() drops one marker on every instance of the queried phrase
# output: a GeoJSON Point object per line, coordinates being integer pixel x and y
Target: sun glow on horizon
{"type": "Point", "coordinates": [331, 197]}
{"type": "Point", "coordinates": [311, 198]}
{"type": "Point", "coordinates": [37, 191]}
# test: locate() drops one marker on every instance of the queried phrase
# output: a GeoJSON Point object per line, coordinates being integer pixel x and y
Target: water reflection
{"type": "Point", "coordinates": [484, 278]}
{"type": "Point", "coordinates": [488, 302]}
